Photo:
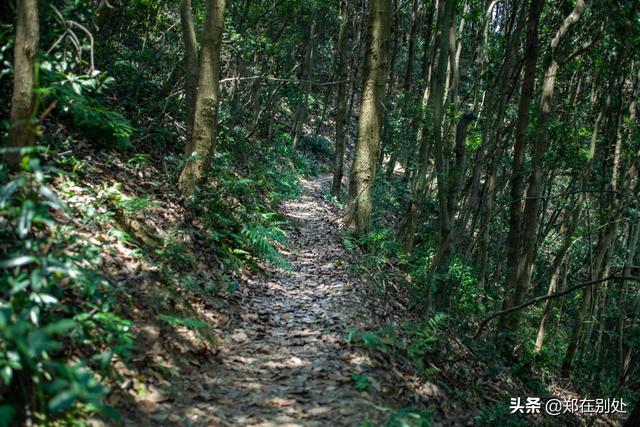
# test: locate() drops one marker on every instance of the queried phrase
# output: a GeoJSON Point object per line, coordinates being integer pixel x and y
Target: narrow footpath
{"type": "Point", "coordinates": [285, 361]}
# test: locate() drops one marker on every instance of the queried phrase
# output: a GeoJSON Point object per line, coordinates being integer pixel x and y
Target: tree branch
{"type": "Point", "coordinates": [276, 79]}
{"type": "Point", "coordinates": [486, 320]}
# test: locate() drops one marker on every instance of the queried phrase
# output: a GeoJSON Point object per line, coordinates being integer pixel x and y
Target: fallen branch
{"type": "Point", "coordinates": [486, 320]}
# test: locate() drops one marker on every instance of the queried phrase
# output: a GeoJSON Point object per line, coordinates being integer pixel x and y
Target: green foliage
{"type": "Point", "coordinates": [54, 303]}
{"type": "Point", "coordinates": [361, 381]}
{"type": "Point", "coordinates": [129, 206]}
{"type": "Point", "coordinates": [241, 230]}
{"type": "Point", "coordinates": [467, 298]}
{"type": "Point", "coordinates": [414, 339]}
{"type": "Point", "coordinates": [262, 240]}
{"type": "Point", "coordinates": [135, 205]}
{"type": "Point", "coordinates": [474, 140]}
{"type": "Point", "coordinates": [77, 96]}
{"type": "Point", "coordinates": [318, 147]}
{"type": "Point", "coordinates": [422, 339]}
{"type": "Point", "coordinates": [96, 120]}
{"type": "Point", "coordinates": [381, 340]}
{"type": "Point", "coordinates": [189, 323]}
{"type": "Point", "coordinates": [236, 207]}
{"type": "Point", "coordinates": [381, 250]}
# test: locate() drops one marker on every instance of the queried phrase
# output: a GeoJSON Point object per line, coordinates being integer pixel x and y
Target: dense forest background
{"type": "Point", "coordinates": [175, 174]}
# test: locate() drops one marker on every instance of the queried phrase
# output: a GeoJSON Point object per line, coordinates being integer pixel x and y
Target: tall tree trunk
{"type": "Point", "coordinates": [527, 242]}
{"type": "Point", "coordinates": [438, 108]}
{"type": "Point", "coordinates": [411, 49]}
{"type": "Point", "coordinates": [517, 166]}
{"type": "Point", "coordinates": [367, 144]}
{"type": "Point", "coordinates": [492, 134]}
{"type": "Point", "coordinates": [389, 110]}
{"type": "Point", "coordinates": [567, 230]}
{"type": "Point", "coordinates": [604, 242]}
{"type": "Point", "coordinates": [434, 99]}
{"type": "Point", "coordinates": [625, 355]}
{"type": "Point", "coordinates": [207, 99]}
{"type": "Point", "coordinates": [341, 100]}
{"type": "Point", "coordinates": [442, 256]}
{"type": "Point", "coordinates": [427, 45]}
{"type": "Point", "coordinates": [190, 65]}
{"type": "Point", "coordinates": [305, 86]}
{"type": "Point", "coordinates": [22, 131]}
{"type": "Point", "coordinates": [427, 56]}
{"type": "Point", "coordinates": [615, 210]}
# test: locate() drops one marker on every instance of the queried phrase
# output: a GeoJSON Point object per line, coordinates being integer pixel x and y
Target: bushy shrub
{"type": "Point", "coordinates": [58, 335]}
{"type": "Point", "coordinates": [78, 101]}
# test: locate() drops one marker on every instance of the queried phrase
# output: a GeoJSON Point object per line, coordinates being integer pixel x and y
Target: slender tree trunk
{"type": "Point", "coordinates": [632, 247]}
{"type": "Point", "coordinates": [22, 131]}
{"type": "Point", "coordinates": [493, 127]}
{"type": "Point", "coordinates": [411, 49]}
{"type": "Point", "coordinates": [434, 99]}
{"type": "Point", "coordinates": [367, 145]}
{"type": "Point", "coordinates": [604, 242]}
{"type": "Point", "coordinates": [517, 167]}
{"type": "Point", "coordinates": [437, 118]}
{"type": "Point", "coordinates": [341, 100]}
{"type": "Point", "coordinates": [443, 254]}
{"type": "Point", "coordinates": [305, 86]}
{"type": "Point", "coordinates": [567, 230]}
{"type": "Point", "coordinates": [529, 230]}
{"type": "Point", "coordinates": [389, 110]}
{"type": "Point", "coordinates": [408, 99]}
{"type": "Point", "coordinates": [190, 65]}
{"type": "Point", "coordinates": [485, 225]}
{"type": "Point", "coordinates": [358, 57]}
{"type": "Point", "coordinates": [207, 99]}
{"type": "Point", "coordinates": [615, 210]}
{"type": "Point", "coordinates": [427, 56]}
{"type": "Point", "coordinates": [428, 46]}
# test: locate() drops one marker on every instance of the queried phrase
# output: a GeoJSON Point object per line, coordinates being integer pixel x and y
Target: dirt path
{"type": "Point", "coordinates": [285, 361]}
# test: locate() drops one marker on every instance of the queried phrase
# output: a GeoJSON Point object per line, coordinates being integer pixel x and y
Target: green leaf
{"type": "Point", "coordinates": [62, 401]}
{"type": "Point", "coordinates": [18, 261]}
{"type": "Point", "coordinates": [6, 192]}
{"type": "Point", "coordinates": [76, 88]}
{"type": "Point", "coordinates": [26, 216]}
{"type": "Point", "coordinates": [60, 326]}
{"type": "Point", "coordinates": [6, 373]}
{"type": "Point", "coordinates": [48, 299]}
{"type": "Point", "coordinates": [46, 192]}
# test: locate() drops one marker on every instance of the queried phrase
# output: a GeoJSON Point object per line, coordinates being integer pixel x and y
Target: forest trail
{"type": "Point", "coordinates": [284, 359]}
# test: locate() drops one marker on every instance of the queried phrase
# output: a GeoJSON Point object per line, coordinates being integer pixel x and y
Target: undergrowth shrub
{"type": "Point", "coordinates": [58, 335]}
{"type": "Point", "coordinates": [467, 297]}
{"type": "Point", "coordinates": [416, 340]}
{"type": "Point", "coordinates": [238, 207]}
{"type": "Point", "coordinates": [77, 96]}
{"type": "Point", "coordinates": [318, 146]}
